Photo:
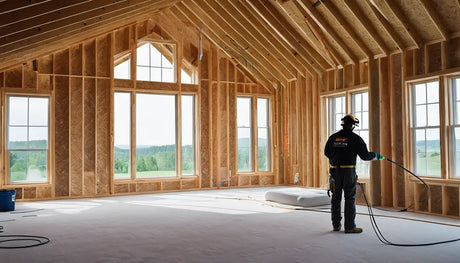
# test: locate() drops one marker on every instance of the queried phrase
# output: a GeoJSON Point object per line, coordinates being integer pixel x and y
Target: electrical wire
{"type": "Point", "coordinates": [377, 229]}
{"type": "Point", "coordinates": [40, 240]}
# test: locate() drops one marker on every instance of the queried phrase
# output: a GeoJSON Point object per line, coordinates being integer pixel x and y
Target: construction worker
{"type": "Point", "coordinates": [341, 149]}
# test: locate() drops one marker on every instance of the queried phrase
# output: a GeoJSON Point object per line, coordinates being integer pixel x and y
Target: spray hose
{"type": "Point", "coordinates": [374, 223]}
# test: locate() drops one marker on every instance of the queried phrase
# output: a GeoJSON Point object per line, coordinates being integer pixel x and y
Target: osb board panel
{"type": "Point", "coordinates": [436, 199]}
{"type": "Point", "coordinates": [409, 62]}
{"type": "Point", "coordinates": [204, 65]}
{"type": "Point", "coordinates": [232, 134]}
{"type": "Point", "coordinates": [214, 134]}
{"type": "Point", "coordinates": [255, 180]}
{"type": "Point", "coordinates": [76, 136]}
{"type": "Point", "coordinates": [62, 136]}
{"type": "Point", "coordinates": [103, 135]}
{"type": "Point", "coordinates": [223, 69]}
{"type": "Point", "coordinates": [45, 64]}
{"type": "Point", "coordinates": [76, 59]}
{"type": "Point", "coordinates": [421, 199]}
{"type": "Point", "coordinates": [121, 188]}
{"type": "Point", "coordinates": [189, 184]}
{"type": "Point", "coordinates": [452, 201]}
{"type": "Point", "coordinates": [240, 88]}
{"type": "Point", "coordinates": [231, 72]}
{"type": "Point", "coordinates": [453, 53]}
{"type": "Point", "coordinates": [44, 192]}
{"type": "Point", "coordinates": [61, 62]}
{"type": "Point", "coordinates": [244, 180]}
{"type": "Point", "coordinates": [434, 57]}
{"type": "Point", "coordinates": [239, 76]}
{"type": "Point", "coordinates": [141, 29]}
{"type": "Point", "coordinates": [89, 135]}
{"type": "Point", "coordinates": [89, 58]}
{"type": "Point", "coordinates": [121, 40]}
{"type": "Point", "coordinates": [214, 65]}
{"type": "Point", "coordinates": [223, 177]}
{"type": "Point", "coordinates": [103, 56]}
{"type": "Point", "coordinates": [223, 123]}
{"type": "Point", "coordinates": [13, 78]}
{"type": "Point", "coordinates": [420, 60]}
{"type": "Point", "coordinates": [30, 76]}
{"type": "Point", "coordinates": [19, 193]}
{"type": "Point", "coordinates": [171, 185]}
{"type": "Point", "coordinates": [204, 136]}
{"type": "Point", "coordinates": [148, 187]}
{"type": "Point", "coordinates": [45, 82]}
{"type": "Point", "coordinates": [2, 78]}
{"type": "Point", "coordinates": [30, 193]}
{"type": "Point", "coordinates": [133, 188]}
{"type": "Point", "coordinates": [267, 179]}
{"type": "Point", "coordinates": [348, 76]}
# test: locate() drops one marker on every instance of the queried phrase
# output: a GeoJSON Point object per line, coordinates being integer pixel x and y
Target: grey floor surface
{"type": "Point", "coordinates": [231, 225]}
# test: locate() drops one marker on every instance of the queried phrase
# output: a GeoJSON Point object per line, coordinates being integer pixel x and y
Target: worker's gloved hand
{"type": "Point", "coordinates": [379, 157]}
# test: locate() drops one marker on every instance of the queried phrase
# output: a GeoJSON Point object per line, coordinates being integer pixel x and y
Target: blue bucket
{"type": "Point", "coordinates": [7, 198]}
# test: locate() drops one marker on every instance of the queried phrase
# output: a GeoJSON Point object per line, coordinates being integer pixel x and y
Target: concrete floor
{"type": "Point", "coordinates": [231, 225]}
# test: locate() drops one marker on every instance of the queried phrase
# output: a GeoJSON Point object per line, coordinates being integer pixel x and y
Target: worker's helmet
{"type": "Point", "coordinates": [350, 121]}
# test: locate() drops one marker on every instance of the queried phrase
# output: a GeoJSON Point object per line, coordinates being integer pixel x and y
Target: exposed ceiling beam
{"type": "Point", "coordinates": [387, 26]}
{"type": "Point", "coordinates": [180, 10]}
{"type": "Point", "coordinates": [240, 37]}
{"type": "Point", "coordinates": [54, 6]}
{"type": "Point", "coordinates": [324, 45]}
{"type": "Point", "coordinates": [436, 18]}
{"type": "Point", "coordinates": [327, 28]}
{"type": "Point", "coordinates": [10, 6]}
{"type": "Point", "coordinates": [332, 9]}
{"type": "Point", "coordinates": [273, 48]}
{"type": "Point", "coordinates": [220, 28]}
{"type": "Point", "coordinates": [271, 36]}
{"type": "Point", "coordinates": [265, 10]}
{"type": "Point", "coordinates": [48, 43]}
{"type": "Point", "coordinates": [404, 20]}
{"type": "Point", "coordinates": [27, 29]}
{"type": "Point", "coordinates": [367, 24]}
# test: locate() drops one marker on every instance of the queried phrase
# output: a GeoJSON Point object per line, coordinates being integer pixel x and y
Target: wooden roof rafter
{"type": "Point", "coordinates": [367, 24]}
{"type": "Point", "coordinates": [222, 30]}
{"type": "Point", "coordinates": [181, 11]}
{"type": "Point", "coordinates": [321, 22]}
{"type": "Point", "coordinates": [386, 25]}
{"type": "Point", "coordinates": [239, 35]}
{"type": "Point", "coordinates": [290, 36]}
{"type": "Point", "coordinates": [275, 50]}
{"type": "Point", "coordinates": [332, 9]}
{"type": "Point", "coordinates": [318, 34]}
{"type": "Point", "coordinates": [271, 36]}
{"type": "Point", "coordinates": [403, 19]}
{"type": "Point", "coordinates": [436, 18]}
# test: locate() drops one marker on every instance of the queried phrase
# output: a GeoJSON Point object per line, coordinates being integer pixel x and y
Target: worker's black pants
{"type": "Point", "coordinates": [343, 179]}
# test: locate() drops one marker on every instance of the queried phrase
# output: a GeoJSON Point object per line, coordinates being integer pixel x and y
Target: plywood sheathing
{"type": "Point", "coordinates": [61, 117]}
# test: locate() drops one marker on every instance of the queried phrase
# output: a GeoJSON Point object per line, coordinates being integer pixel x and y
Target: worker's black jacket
{"type": "Point", "coordinates": [343, 146]}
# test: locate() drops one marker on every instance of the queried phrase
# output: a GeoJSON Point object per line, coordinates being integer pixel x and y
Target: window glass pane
{"type": "Point", "coordinates": [143, 55]}
{"type": "Point", "coordinates": [457, 152]}
{"type": "Point", "coordinates": [143, 73]}
{"type": "Point", "coordinates": [244, 150]}
{"type": "Point", "coordinates": [420, 94]}
{"type": "Point", "coordinates": [188, 134]}
{"type": "Point", "coordinates": [155, 135]}
{"type": "Point", "coordinates": [420, 115]}
{"type": "Point", "coordinates": [364, 123]}
{"type": "Point", "coordinates": [457, 111]}
{"type": "Point", "coordinates": [122, 134]}
{"type": "Point", "coordinates": [338, 122]}
{"type": "Point", "coordinates": [28, 166]}
{"type": "Point", "coordinates": [36, 169]}
{"type": "Point", "coordinates": [244, 112]}
{"type": "Point", "coordinates": [357, 102]}
{"type": "Point", "coordinates": [18, 110]}
{"type": "Point", "coordinates": [433, 114]}
{"type": "Point", "coordinates": [155, 59]}
{"type": "Point", "coordinates": [185, 78]}
{"type": "Point", "coordinates": [262, 113]}
{"type": "Point", "coordinates": [38, 111]}
{"type": "Point", "coordinates": [155, 74]}
{"type": "Point", "coordinates": [167, 63]}
{"type": "Point", "coordinates": [432, 92]}
{"type": "Point", "coordinates": [420, 141]}
{"type": "Point", "coordinates": [123, 70]}
{"type": "Point", "coordinates": [17, 138]}
{"type": "Point", "coordinates": [365, 101]}
{"type": "Point", "coordinates": [38, 138]}
{"type": "Point", "coordinates": [168, 75]}
{"type": "Point", "coordinates": [18, 166]}
{"type": "Point", "coordinates": [262, 140]}
{"type": "Point", "coordinates": [433, 148]}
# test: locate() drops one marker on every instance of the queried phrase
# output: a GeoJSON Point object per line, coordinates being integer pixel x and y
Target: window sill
{"type": "Point", "coordinates": [439, 181]}
{"type": "Point", "coordinates": [10, 185]}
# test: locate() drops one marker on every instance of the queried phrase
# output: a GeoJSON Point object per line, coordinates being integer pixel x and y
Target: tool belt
{"type": "Point", "coordinates": [342, 166]}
